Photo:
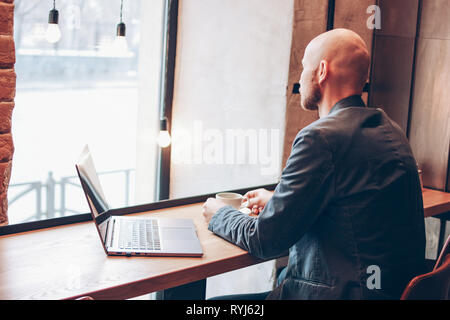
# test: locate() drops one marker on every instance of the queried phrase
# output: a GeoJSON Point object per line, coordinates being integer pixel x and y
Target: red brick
{"type": "Point", "coordinates": [6, 109]}
{"type": "Point", "coordinates": [5, 176]}
{"type": "Point", "coordinates": [7, 92]}
{"type": "Point", "coordinates": [3, 209]}
{"type": "Point", "coordinates": [7, 51]}
{"type": "Point", "coordinates": [6, 147]}
{"type": "Point", "coordinates": [6, 18]}
{"type": "Point", "coordinates": [7, 84]}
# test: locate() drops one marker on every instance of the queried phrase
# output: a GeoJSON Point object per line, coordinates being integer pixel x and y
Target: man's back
{"type": "Point", "coordinates": [374, 220]}
{"type": "Point", "coordinates": [348, 204]}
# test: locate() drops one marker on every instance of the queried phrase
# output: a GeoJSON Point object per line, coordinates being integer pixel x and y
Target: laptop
{"type": "Point", "coordinates": [134, 235]}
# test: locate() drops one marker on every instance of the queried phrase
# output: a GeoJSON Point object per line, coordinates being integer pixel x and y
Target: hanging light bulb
{"type": "Point", "coordinates": [53, 33]}
{"type": "Point", "coordinates": [164, 135]}
{"type": "Point", "coordinates": [120, 43]}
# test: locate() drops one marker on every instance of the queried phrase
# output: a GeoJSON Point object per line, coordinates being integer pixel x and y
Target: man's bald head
{"type": "Point", "coordinates": [338, 59]}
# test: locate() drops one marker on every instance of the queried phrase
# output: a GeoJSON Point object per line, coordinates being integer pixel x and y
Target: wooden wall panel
{"type": "Point", "coordinates": [430, 119]}
{"type": "Point", "coordinates": [392, 76]}
{"type": "Point", "coordinates": [430, 114]}
{"type": "Point", "coordinates": [398, 18]}
{"type": "Point", "coordinates": [310, 20]}
{"type": "Point", "coordinates": [435, 19]}
{"type": "Point", "coordinates": [393, 59]}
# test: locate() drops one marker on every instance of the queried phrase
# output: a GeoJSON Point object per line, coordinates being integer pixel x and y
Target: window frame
{"type": "Point", "coordinates": [162, 188]}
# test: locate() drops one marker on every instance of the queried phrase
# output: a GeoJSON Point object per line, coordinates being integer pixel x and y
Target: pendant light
{"type": "Point", "coordinates": [120, 43]}
{"type": "Point", "coordinates": [164, 135]}
{"type": "Point", "coordinates": [53, 33]}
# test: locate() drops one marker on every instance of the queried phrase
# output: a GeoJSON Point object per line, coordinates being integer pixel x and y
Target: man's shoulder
{"type": "Point", "coordinates": [345, 122]}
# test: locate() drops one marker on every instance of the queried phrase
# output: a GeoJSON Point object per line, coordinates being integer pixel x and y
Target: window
{"type": "Point", "coordinates": [83, 89]}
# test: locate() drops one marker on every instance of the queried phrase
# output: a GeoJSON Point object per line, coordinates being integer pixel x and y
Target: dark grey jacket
{"type": "Point", "coordinates": [348, 199]}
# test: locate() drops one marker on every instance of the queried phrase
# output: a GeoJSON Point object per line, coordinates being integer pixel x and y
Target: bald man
{"type": "Point", "coordinates": [348, 206]}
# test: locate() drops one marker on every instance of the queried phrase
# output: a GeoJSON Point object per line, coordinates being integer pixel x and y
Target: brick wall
{"type": "Point", "coordinates": [7, 93]}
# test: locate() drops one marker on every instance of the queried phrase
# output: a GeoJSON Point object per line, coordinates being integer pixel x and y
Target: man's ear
{"type": "Point", "coordinates": [322, 72]}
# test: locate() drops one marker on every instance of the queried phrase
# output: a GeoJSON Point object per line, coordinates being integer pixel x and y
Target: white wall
{"type": "Point", "coordinates": [231, 73]}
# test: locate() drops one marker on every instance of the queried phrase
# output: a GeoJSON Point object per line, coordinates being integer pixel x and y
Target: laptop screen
{"type": "Point", "coordinates": [91, 184]}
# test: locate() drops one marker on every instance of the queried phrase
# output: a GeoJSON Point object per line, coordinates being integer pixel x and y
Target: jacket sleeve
{"type": "Point", "coordinates": [305, 188]}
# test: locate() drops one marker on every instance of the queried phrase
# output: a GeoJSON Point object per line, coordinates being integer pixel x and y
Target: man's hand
{"type": "Point", "coordinates": [257, 199]}
{"type": "Point", "coordinates": [210, 207]}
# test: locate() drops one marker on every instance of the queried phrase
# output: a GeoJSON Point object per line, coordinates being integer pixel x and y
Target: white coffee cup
{"type": "Point", "coordinates": [231, 198]}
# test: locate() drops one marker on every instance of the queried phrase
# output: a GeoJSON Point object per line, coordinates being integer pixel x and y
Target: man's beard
{"type": "Point", "coordinates": [310, 101]}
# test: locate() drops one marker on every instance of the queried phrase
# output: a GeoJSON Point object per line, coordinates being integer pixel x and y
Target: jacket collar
{"type": "Point", "coordinates": [352, 101]}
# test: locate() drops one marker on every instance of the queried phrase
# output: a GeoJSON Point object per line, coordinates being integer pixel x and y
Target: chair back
{"type": "Point", "coordinates": [433, 285]}
{"type": "Point", "coordinates": [445, 251]}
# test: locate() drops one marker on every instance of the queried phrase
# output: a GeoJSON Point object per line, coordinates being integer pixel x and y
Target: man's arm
{"type": "Point", "coordinates": [305, 188]}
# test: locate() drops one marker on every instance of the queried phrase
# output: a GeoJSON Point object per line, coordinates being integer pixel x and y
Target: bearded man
{"type": "Point", "coordinates": [348, 206]}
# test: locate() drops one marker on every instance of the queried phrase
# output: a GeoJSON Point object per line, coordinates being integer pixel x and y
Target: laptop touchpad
{"type": "Point", "coordinates": [173, 233]}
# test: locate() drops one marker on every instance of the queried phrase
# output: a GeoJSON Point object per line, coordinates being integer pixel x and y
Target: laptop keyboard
{"type": "Point", "coordinates": [139, 234]}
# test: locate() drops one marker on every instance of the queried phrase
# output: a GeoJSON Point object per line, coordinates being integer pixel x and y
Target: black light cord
{"type": "Point", "coordinates": [121, 7]}
{"type": "Point", "coordinates": [121, 29]}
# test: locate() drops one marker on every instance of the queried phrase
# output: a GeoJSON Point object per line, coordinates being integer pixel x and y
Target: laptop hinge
{"type": "Point", "coordinates": [109, 233]}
